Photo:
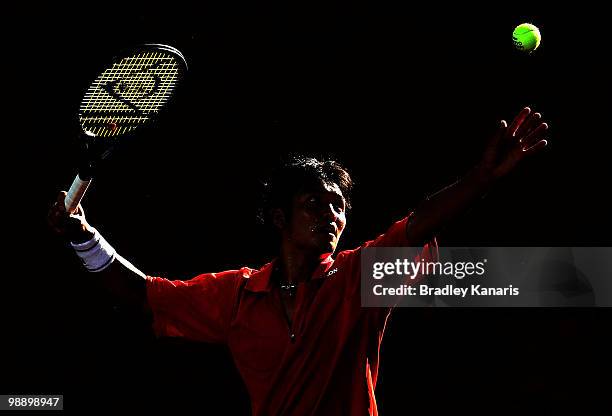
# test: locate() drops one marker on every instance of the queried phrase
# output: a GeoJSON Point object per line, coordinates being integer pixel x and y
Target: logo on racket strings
{"type": "Point", "coordinates": [128, 94]}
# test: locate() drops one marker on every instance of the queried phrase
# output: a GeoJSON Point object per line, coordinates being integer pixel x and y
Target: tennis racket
{"type": "Point", "coordinates": [127, 96]}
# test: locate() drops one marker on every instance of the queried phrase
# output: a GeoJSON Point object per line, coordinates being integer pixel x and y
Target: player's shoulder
{"type": "Point", "coordinates": [233, 274]}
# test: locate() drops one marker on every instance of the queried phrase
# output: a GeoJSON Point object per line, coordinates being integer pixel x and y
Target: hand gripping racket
{"type": "Point", "coordinates": [128, 95]}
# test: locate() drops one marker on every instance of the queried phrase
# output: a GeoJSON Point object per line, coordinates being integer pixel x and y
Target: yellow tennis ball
{"type": "Point", "coordinates": [526, 37]}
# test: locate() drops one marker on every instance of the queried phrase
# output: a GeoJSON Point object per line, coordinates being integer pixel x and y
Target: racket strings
{"type": "Point", "coordinates": [129, 93]}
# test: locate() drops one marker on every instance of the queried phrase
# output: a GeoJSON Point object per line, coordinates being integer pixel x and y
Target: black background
{"type": "Point", "coordinates": [405, 97]}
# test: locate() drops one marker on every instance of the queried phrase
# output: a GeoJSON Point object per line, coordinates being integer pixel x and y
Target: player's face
{"type": "Point", "coordinates": [317, 219]}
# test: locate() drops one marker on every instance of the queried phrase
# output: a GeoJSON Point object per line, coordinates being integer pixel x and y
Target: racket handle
{"type": "Point", "coordinates": [75, 193]}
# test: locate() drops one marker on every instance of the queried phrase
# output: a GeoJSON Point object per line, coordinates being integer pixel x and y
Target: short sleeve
{"type": "Point", "coordinates": [199, 309]}
{"type": "Point", "coordinates": [396, 236]}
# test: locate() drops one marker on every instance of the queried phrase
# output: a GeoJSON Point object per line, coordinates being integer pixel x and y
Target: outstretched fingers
{"type": "Point", "coordinates": [532, 121]}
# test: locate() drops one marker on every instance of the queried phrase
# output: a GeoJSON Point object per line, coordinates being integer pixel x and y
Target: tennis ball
{"type": "Point", "coordinates": [526, 37]}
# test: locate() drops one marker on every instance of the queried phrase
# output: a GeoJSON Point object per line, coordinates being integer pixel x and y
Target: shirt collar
{"type": "Point", "coordinates": [260, 281]}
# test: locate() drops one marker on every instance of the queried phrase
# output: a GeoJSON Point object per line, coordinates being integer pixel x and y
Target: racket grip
{"type": "Point", "coordinates": [75, 193]}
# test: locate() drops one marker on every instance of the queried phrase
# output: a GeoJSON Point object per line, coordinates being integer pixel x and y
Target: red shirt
{"type": "Point", "coordinates": [331, 366]}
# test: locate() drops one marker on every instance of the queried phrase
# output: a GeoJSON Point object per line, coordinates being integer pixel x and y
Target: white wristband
{"type": "Point", "coordinates": [96, 254]}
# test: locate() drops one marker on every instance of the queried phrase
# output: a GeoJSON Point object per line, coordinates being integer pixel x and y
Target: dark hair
{"type": "Point", "coordinates": [296, 174]}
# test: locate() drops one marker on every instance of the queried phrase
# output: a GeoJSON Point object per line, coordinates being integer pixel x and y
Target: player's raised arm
{"type": "Point", "coordinates": [125, 282]}
{"type": "Point", "coordinates": [128, 94]}
{"type": "Point", "coordinates": [510, 145]}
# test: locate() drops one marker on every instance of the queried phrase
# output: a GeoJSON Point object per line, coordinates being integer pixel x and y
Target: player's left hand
{"type": "Point", "coordinates": [511, 144]}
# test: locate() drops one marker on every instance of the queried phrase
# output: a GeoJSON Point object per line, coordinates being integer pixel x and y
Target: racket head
{"type": "Point", "coordinates": [131, 91]}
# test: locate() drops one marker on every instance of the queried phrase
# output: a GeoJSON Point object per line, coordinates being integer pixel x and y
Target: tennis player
{"type": "Point", "coordinates": [295, 327]}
